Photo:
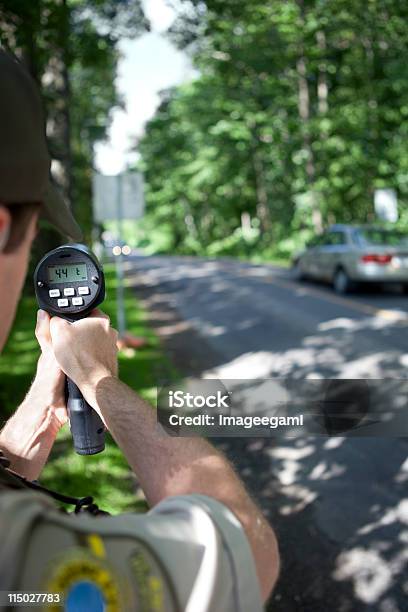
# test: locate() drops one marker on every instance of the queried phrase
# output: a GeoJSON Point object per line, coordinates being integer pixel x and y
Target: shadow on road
{"type": "Point", "coordinates": [339, 547]}
{"type": "Point", "coordinates": [337, 504]}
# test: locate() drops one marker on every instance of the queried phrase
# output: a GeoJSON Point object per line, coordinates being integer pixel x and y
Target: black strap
{"type": "Point", "coordinates": [82, 504]}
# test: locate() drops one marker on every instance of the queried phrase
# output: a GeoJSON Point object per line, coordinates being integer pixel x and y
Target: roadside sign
{"type": "Point", "coordinates": [118, 198]}
{"type": "Point", "coordinates": [386, 204]}
{"type": "Point", "coordinates": [105, 196]}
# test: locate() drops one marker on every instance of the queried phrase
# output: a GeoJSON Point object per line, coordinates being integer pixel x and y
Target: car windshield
{"type": "Point", "coordinates": [380, 237]}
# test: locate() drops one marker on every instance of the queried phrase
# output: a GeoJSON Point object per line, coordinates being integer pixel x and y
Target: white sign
{"type": "Point", "coordinates": [120, 196]}
{"type": "Point", "coordinates": [386, 205]}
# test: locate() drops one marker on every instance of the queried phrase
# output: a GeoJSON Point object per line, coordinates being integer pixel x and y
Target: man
{"type": "Point", "coordinates": [204, 545]}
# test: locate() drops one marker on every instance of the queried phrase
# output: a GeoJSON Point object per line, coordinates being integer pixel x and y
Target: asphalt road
{"type": "Point", "coordinates": [339, 505]}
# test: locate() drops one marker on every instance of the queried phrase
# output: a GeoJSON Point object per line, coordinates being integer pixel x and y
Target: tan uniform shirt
{"type": "Point", "coordinates": [188, 553]}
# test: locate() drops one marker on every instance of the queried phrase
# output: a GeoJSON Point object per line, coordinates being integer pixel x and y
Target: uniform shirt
{"type": "Point", "coordinates": [189, 553]}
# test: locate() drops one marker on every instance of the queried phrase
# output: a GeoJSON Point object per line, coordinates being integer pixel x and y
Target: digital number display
{"type": "Point", "coordinates": [67, 274]}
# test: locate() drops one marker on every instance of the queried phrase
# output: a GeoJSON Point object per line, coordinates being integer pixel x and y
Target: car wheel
{"type": "Point", "coordinates": [297, 272]}
{"type": "Point", "coordinates": [341, 282]}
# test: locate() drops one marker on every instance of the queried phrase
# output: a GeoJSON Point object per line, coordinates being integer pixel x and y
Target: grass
{"type": "Point", "coordinates": [106, 476]}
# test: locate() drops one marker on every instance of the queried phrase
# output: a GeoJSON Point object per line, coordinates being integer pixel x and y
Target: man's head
{"type": "Point", "coordinates": [25, 186]}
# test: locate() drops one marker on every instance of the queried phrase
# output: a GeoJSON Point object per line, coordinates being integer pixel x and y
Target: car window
{"type": "Point", "coordinates": [380, 237]}
{"type": "Point", "coordinates": [337, 238]}
{"type": "Point", "coordinates": [313, 242]}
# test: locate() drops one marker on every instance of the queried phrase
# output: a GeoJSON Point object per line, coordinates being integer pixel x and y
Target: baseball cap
{"type": "Point", "coordinates": [24, 158]}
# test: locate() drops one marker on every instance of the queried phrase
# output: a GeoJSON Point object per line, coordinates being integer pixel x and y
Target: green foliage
{"type": "Point", "coordinates": [106, 476]}
{"type": "Point", "coordinates": [298, 114]}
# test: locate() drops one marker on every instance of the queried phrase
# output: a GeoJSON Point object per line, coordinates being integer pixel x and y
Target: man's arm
{"type": "Point", "coordinates": [165, 465]}
{"type": "Point", "coordinates": [168, 466]}
{"type": "Point", "coordinates": [28, 436]}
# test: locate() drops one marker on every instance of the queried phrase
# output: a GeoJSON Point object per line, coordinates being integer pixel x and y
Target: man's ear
{"type": "Point", "coordinates": [5, 226]}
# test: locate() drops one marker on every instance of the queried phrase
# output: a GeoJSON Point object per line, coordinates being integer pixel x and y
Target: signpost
{"type": "Point", "coordinates": [116, 198]}
{"type": "Point", "coordinates": [105, 196]}
{"type": "Point", "coordinates": [386, 204]}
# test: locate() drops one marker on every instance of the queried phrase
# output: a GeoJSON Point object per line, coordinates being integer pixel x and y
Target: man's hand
{"type": "Point", "coordinates": [50, 379]}
{"type": "Point", "coordinates": [29, 435]}
{"type": "Point", "coordinates": [86, 350]}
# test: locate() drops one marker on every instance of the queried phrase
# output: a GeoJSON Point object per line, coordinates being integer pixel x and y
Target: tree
{"type": "Point", "coordinates": [71, 50]}
{"type": "Point", "coordinates": [297, 116]}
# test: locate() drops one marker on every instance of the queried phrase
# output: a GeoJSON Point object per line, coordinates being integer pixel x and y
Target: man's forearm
{"type": "Point", "coordinates": [167, 466]}
{"type": "Point", "coordinates": [28, 436]}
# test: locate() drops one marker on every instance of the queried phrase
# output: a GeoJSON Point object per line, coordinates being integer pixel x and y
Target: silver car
{"type": "Point", "coordinates": [346, 255]}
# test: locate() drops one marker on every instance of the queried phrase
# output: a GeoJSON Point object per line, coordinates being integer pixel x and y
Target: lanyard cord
{"type": "Point", "coordinates": [82, 504]}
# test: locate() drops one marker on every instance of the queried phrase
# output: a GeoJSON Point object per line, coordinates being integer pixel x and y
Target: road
{"type": "Point", "coordinates": [339, 505]}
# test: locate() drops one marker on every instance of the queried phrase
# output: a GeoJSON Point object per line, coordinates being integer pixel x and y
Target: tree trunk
{"type": "Point", "coordinates": [57, 89]}
{"type": "Point", "coordinates": [304, 115]}
{"type": "Point", "coordinates": [262, 205]}
{"type": "Point", "coordinates": [322, 86]}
